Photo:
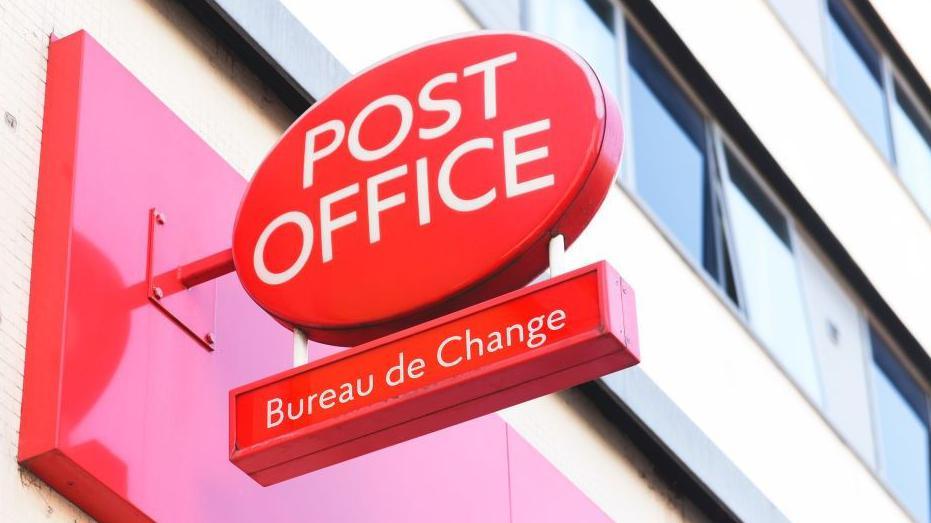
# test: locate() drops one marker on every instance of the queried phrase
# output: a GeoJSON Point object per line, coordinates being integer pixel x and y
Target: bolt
{"type": "Point", "coordinates": [158, 293]}
{"type": "Point", "coordinates": [210, 338]}
{"type": "Point", "coordinates": [160, 218]}
{"type": "Point", "coordinates": [10, 120]}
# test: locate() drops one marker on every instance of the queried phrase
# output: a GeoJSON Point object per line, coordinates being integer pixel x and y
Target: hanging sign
{"type": "Point", "coordinates": [406, 212]}
{"type": "Point", "coordinates": [510, 349]}
{"type": "Point", "coordinates": [427, 183]}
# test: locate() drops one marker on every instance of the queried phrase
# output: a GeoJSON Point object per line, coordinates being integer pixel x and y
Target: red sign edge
{"type": "Point", "coordinates": [266, 470]}
{"type": "Point", "coordinates": [39, 444]}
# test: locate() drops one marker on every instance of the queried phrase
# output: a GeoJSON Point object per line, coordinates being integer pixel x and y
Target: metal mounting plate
{"type": "Point", "coordinates": [193, 309]}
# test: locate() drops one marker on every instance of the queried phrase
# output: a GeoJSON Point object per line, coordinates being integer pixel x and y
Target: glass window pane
{"type": "Point", "coordinates": [803, 19]}
{"type": "Point", "coordinates": [857, 75]}
{"type": "Point", "coordinates": [769, 276]}
{"type": "Point", "coordinates": [670, 163]}
{"type": "Point", "coordinates": [902, 430]}
{"type": "Point", "coordinates": [912, 149]}
{"type": "Point", "coordinates": [585, 27]}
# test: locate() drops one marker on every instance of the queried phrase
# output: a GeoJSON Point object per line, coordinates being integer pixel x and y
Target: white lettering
{"type": "Point", "coordinates": [328, 224]}
{"type": "Point", "coordinates": [450, 106]}
{"type": "Point", "coordinates": [307, 241]}
{"type": "Point", "coordinates": [558, 315]}
{"type": "Point", "coordinates": [407, 118]}
{"type": "Point", "coordinates": [376, 206]}
{"type": "Point", "coordinates": [439, 352]}
{"type": "Point", "coordinates": [513, 159]}
{"type": "Point", "coordinates": [273, 412]}
{"type": "Point", "coordinates": [312, 154]}
{"type": "Point", "coordinates": [423, 194]}
{"type": "Point", "coordinates": [488, 69]}
{"type": "Point", "coordinates": [449, 197]}
{"type": "Point", "coordinates": [327, 398]}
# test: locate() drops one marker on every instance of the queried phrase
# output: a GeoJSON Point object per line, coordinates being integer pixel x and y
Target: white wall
{"type": "Point", "coordinates": [185, 67]}
{"type": "Point", "coordinates": [362, 32]}
{"type": "Point", "coordinates": [908, 21]}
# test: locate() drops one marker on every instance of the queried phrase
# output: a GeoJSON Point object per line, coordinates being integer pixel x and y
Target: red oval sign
{"type": "Point", "coordinates": [426, 183]}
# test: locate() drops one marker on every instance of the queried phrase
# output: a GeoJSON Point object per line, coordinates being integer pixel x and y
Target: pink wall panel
{"type": "Point", "coordinates": [540, 493]}
{"type": "Point", "coordinates": [126, 413]}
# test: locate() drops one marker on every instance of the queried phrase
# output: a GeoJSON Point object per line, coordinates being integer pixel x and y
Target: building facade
{"type": "Point", "coordinates": [773, 213]}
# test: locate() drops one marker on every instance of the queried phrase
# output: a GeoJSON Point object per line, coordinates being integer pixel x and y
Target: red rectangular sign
{"type": "Point", "coordinates": [524, 344]}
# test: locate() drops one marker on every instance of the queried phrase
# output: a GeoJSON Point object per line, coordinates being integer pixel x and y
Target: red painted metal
{"type": "Point", "coordinates": [192, 309]}
{"type": "Point", "coordinates": [206, 269]}
{"type": "Point", "coordinates": [550, 336]}
{"type": "Point", "coordinates": [537, 128]}
{"type": "Point", "coordinates": [122, 413]}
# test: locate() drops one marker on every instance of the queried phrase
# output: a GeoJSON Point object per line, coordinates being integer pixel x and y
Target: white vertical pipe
{"type": "Point", "coordinates": [557, 255]}
{"type": "Point", "coordinates": [301, 352]}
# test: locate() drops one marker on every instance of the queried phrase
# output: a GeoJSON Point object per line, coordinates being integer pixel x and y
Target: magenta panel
{"type": "Point", "coordinates": [126, 413]}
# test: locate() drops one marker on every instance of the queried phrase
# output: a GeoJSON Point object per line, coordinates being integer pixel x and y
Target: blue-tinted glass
{"type": "Point", "coordinates": [912, 149]}
{"type": "Point", "coordinates": [583, 26]}
{"type": "Point", "coordinates": [769, 277]}
{"type": "Point", "coordinates": [670, 163]}
{"type": "Point", "coordinates": [902, 430]}
{"type": "Point", "coordinates": [856, 74]}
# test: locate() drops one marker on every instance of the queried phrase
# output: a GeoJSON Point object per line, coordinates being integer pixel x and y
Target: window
{"type": "Point", "coordinates": [857, 75]}
{"type": "Point", "coordinates": [768, 274]}
{"type": "Point", "coordinates": [901, 420]}
{"type": "Point", "coordinates": [672, 167]}
{"type": "Point", "coordinates": [912, 147]}
{"type": "Point", "coordinates": [562, 20]}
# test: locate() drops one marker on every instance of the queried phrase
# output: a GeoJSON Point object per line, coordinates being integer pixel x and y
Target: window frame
{"type": "Point", "coordinates": [831, 73]}
{"type": "Point", "coordinates": [868, 324]}
{"type": "Point", "coordinates": [724, 144]}
{"type": "Point", "coordinates": [627, 179]}
{"type": "Point", "coordinates": [716, 140]}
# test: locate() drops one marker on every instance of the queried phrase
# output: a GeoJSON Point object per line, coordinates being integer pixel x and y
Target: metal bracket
{"type": "Point", "coordinates": [183, 292]}
{"type": "Point", "coordinates": [301, 348]}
